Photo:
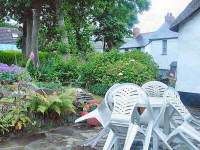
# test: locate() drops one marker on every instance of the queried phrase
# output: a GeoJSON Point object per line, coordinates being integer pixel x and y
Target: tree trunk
{"type": "Point", "coordinates": [61, 22]}
{"type": "Point", "coordinates": [29, 28]}
{"type": "Point", "coordinates": [36, 21]}
{"type": "Point", "coordinates": [110, 44]}
{"type": "Point", "coordinates": [24, 40]}
{"type": "Point", "coordinates": [104, 44]}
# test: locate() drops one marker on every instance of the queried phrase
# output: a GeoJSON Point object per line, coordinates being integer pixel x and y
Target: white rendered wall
{"type": "Point", "coordinates": [148, 48]}
{"type": "Point", "coordinates": [188, 67]}
{"type": "Point", "coordinates": [164, 60]}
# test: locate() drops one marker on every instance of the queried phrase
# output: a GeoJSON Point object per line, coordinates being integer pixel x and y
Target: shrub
{"type": "Point", "coordinates": [115, 67]}
{"type": "Point", "coordinates": [8, 57]}
{"type": "Point", "coordinates": [98, 89]}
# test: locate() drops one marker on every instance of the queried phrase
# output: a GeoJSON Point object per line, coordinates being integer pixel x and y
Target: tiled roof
{"type": "Point", "coordinates": [164, 33]}
{"type": "Point", "coordinates": [140, 41]}
{"type": "Point", "coordinates": [191, 10]}
{"type": "Point", "coordinates": [6, 35]}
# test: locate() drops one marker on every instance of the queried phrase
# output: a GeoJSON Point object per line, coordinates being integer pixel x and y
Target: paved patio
{"type": "Point", "coordinates": [72, 138]}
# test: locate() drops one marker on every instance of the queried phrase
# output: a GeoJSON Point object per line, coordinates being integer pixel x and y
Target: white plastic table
{"type": "Point", "coordinates": [157, 103]}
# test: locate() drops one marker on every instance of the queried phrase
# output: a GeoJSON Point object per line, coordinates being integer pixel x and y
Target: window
{"type": "Point", "coordinates": [14, 35]}
{"type": "Point", "coordinates": [164, 47]}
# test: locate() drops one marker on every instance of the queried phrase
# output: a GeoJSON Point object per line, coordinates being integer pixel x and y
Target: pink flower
{"type": "Point", "coordinates": [16, 83]}
{"type": "Point", "coordinates": [32, 91]}
{"type": "Point", "coordinates": [37, 65]}
{"type": "Point", "coordinates": [170, 82]}
{"type": "Point", "coordinates": [54, 51]}
{"type": "Point", "coordinates": [31, 55]}
{"type": "Point", "coordinates": [171, 76]}
{"type": "Point", "coordinates": [40, 74]}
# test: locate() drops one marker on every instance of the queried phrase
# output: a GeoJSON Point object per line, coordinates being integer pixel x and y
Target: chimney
{"type": "Point", "coordinates": [136, 31]}
{"type": "Point", "coordinates": [169, 17]}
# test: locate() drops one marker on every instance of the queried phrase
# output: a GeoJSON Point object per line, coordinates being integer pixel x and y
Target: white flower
{"type": "Point", "coordinates": [120, 74]}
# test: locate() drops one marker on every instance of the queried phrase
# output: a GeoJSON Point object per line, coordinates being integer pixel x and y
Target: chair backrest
{"type": "Point", "coordinates": [125, 99]}
{"type": "Point", "coordinates": [172, 97]}
{"type": "Point", "coordinates": [108, 98]}
{"type": "Point", "coordinates": [154, 88]}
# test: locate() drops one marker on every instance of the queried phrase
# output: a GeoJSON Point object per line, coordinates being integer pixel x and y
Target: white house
{"type": "Point", "coordinates": [8, 38]}
{"type": "Point", "coordinates": [162, 45]}
{"type": "Point", "coordinates": [187, 25]}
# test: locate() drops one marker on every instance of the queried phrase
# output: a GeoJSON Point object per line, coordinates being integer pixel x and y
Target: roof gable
{"type": "Point", "coordinates": [140, 41]}
{"type": "Point", "coordinates": [164, 32]}
{"type": "Point", "coordinates": [190, 11]}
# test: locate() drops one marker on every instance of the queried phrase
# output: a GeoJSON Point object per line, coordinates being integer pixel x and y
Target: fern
{"type": "Point", "coordinates": [42, 108]}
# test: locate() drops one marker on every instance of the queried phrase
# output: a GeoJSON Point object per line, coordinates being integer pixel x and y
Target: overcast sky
{"type": "Point", "coordinates": [154, 18]}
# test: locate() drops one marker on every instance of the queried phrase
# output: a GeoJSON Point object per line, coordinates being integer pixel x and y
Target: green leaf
{"type": "Point", "coordinates": [57, 109]}
{"type": "Point", "coordinates": [42, 109]}
{"type": "Point", "coordinates": [8, 100]}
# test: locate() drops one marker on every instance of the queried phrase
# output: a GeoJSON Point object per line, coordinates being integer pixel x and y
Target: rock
{"type": "Point", "coordinates": [83, 98]}
{"type": "Point", "coordinates": [45, 91]}
{"type": "Point", "coordinates": [31, 86]}
{"type": "Point", "coordinates": [6, 92]}
{"type": "Point", "coordinates": [15, 93]}
{"type": "Point", "coordinates": [7, 82]}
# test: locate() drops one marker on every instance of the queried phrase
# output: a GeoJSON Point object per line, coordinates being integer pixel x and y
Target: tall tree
{"type": "Point", "coordinates": [116, 19]}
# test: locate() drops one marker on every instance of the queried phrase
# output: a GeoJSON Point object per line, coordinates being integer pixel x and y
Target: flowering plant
{"type": "Point", "coordinates": [172, 80]}
{"type": "Point", "coordinates": [90, 107]}
{"type": "Point", "coordinates": [12, 72]}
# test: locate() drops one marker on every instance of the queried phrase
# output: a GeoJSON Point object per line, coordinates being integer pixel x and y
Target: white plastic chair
{"type": "Point", "coordinates": [154, 88]}
{"type": "Point", "coordinates": [102, 114]}
{"type": "Point", "coordinates": [172, 97]}
{"type": "Point", "coordinates": [123, 123]}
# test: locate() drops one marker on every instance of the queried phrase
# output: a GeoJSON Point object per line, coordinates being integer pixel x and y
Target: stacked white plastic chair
{"type": "Point", "coordinates": [172, 97]}
{"type": "Point", "coordinates": [103, 114]}
{"type": "Point", "coordinates": [123, 122]}
{"type": "Point", "coordinates": [154, 88]}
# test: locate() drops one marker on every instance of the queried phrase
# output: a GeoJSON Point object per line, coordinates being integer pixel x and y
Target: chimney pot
{"type": "Point", "coordinates": [136, 31]}
{"type": "Point", "coordinates": [169, 17]}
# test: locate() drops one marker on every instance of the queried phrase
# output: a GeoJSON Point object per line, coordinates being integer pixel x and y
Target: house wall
{"type": "Point", "coordinates": [164, 60]}
{"type": "Point", "coordinates": [188, 65]}
{"type": "Point", "coordinates": [147, 48]}
{"type": "Point", "coordinates": [5, 47]}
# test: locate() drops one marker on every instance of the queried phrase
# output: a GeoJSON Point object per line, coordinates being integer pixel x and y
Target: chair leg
{"type": "Point", "coordinates": [93, 141]}
{"type": "Point", "coordinates": [110, 141]}
{"type": "Point", "coordinates": [187, 142]}
{"type": "Point", "coordinates": [185, 127]}
{"type": "Point", "coordinates": [148, 136]}
{"type": "Point", "coordinates": [131, 133]}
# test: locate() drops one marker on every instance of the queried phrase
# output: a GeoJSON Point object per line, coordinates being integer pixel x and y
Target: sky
{"type": "Point", "coordinates": [151, 20]}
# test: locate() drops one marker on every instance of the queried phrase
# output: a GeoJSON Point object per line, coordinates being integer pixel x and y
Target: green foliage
{"type": "Point", "coordinates": [115, 67]}
{"type": "Point", "coordinates": [46, 104]}
{"type": "Point", "coordinates": [4, 125]}
{"type": "Point", "coordinates": [115, 18]}
{"type": "Point", "coordinates": [9, 25]}
{"type": "Point", "coordinates": [98, 89]}
{"type": "Point", "coordinates": [8, 57]}
{"type": "Point", "coordinates": [64, 71]}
